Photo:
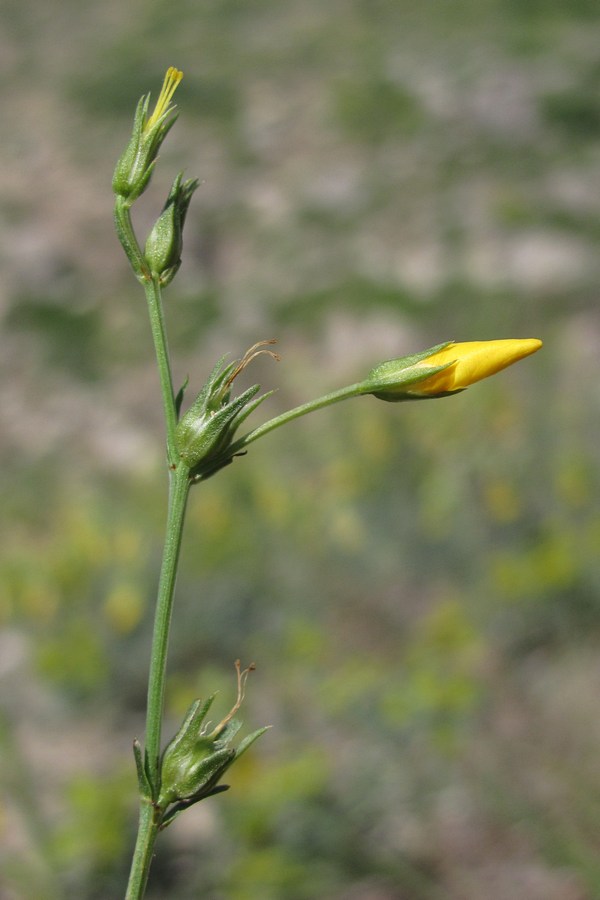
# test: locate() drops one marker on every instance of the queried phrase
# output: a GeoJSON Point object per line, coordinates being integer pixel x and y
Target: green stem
{"type": "Point", "coordinates": [148, 828]}
{"type": "Point", "coordinates": [180, 485]}
{"type": "Point", "coordinates": [353, 390]}
{"type": "Point", "coordinates": [129, 242]}
{"type": "Point", "coordinates": [159, 336]}
{"type": "Point", "coordinates": [150, 816]}
{"type": "Point", "coordinates": [151, 284]}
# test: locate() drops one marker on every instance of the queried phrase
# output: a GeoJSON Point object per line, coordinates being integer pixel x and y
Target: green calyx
{"type": "Point", "coordinates": [136, 164]}
{"type": "Point", "coordinates": [192, 758]}
{"type": "Point", "coordinates": [205, 433]}
{"type": "Point", "coordinates": [194, 761]}
{"type": "Point", "coordinates": [391, 380]}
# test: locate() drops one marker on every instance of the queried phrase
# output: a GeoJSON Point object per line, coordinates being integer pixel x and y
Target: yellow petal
{"type": "Point", "coordinates": [172, 79]}
{"type": "Point", "coordinates": [470, 362]}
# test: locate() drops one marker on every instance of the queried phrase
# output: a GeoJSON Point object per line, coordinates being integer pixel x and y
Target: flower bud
{"type": "Point", "coordinates": [444, 369]}
{"type": "Point", "coordinates": [134, 168]}
{"type": "Point", "coordinates": [165, 241]}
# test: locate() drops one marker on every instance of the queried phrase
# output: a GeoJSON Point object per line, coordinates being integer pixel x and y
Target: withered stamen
{"type": "Point", "coordinates": [251, 354]}
{"type": "Point", "coordinates": [242, 677]}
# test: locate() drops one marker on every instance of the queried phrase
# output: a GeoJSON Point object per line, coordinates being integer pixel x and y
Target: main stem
{"type": "Point", "coordinates": [148, 827]}
{"type": "Point", "coordinates": [180, 485]}
{"type": "Point", "coordinates": [150, 816]}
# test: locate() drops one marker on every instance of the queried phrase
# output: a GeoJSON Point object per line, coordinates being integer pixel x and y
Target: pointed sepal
{"type": "Point", "coordinates": [144, 783]}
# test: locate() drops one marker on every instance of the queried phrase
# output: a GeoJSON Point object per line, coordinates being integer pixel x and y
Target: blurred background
{"type": "Point", "coordinates": [418, 584]}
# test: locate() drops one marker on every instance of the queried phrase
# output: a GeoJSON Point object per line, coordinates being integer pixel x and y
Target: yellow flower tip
{"type": "Point", "coordinates": [172, 78]}
{"type": "Point", "coordinates": [471, 361]}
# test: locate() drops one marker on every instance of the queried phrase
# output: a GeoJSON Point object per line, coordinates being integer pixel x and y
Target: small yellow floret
{"type": "Point", "coordinates": [172, 79]}
{"type": "Point", "coordinates": [470, 362]}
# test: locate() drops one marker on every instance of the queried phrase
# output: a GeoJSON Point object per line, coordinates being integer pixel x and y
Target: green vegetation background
{"type": "Point", "coordinates": [418, 585]}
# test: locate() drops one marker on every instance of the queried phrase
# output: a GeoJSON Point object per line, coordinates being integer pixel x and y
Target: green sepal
{"type": "Point", "coordinates": [144, 783]}
{"type": "Point", "coordinates": [249, 740]}
{"type": "Point", "coordinates": [250, 407]}
{"type": "Point", "coordinates": [228, 733]}
{"type": "Point", "coordinates": [190, 728]}
{"type": "Point", "coordinates": [388, 379]}
{"type": "Point", "coordinates": [181, 394]}
{"type": "Point", "coordinates": [121, 182]}
{"type": "Point", "coordinates": [385, 372]}
{"type": "Point", "coordinates": [213, 394]}
{"type": "Point", "coordinates": [391, 397]}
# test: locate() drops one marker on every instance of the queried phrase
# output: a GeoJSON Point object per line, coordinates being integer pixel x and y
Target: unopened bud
{"type": "Point", "coordinates": [165, 241]}
{"type": "Point", "coordinates": [134, 169]}
{"type": "Point", "coordinates": [444, 369]}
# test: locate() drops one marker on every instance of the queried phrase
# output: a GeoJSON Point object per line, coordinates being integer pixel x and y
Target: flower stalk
{"type": "Point", "coordinates": [437, 372]}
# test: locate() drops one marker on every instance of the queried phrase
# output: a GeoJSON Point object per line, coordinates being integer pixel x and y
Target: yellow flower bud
{"type": "Point", "coordinates": [470, 362]}
{"type": "Point", "coordinates": [444, 369]}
